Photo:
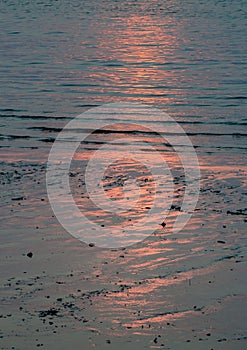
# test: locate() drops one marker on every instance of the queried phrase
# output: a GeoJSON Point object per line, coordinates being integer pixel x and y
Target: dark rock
{"type": "Point", "coordinates": [50, 312]}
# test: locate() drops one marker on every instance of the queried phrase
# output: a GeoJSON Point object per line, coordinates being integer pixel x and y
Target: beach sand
{"type": "Point", "coordinates": [183, 291]}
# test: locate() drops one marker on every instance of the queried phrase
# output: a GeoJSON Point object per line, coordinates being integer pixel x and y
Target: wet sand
{"type": "Point", "coordinates": [183, 291]}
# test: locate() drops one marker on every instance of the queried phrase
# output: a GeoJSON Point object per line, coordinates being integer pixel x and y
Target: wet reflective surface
{"type": "Point", "coordinates": [171, 291]}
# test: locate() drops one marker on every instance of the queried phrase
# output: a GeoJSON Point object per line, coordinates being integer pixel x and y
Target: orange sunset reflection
{"type": "Point", "coordinates": [138, 58]}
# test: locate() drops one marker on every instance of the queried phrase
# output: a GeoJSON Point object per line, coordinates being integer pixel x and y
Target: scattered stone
{"type": "Point", "coordinates": [50, 312]}
{"type": "Point", "coordinates": [222, 339]}
{"type": "Point", "coordinates": [237, 212]}
{"type": "Point", "coordinates": [17, 199]}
